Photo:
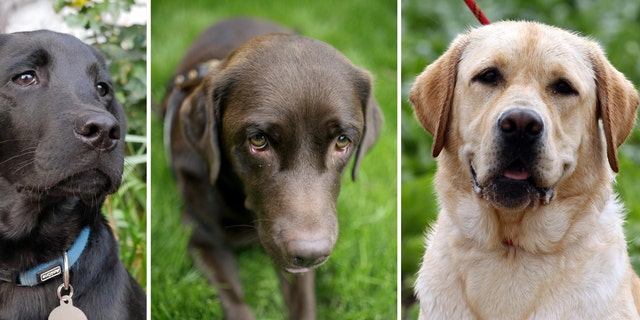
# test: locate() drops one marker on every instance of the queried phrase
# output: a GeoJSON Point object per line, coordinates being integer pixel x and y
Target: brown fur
{"type": "Point", "coordinates": [300, 95]}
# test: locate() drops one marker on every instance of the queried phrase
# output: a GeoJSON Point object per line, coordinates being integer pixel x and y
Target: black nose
{"type": "Point", "coordinates": [309, 253]}
{"type": "Point", "coordinates": [521, 125]}
{"type": "Point", "coordinates": [101, 131]}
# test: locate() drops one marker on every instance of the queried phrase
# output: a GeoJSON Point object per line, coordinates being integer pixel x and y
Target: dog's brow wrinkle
{"type": "Point", "coordinates": [39, 58]}
{"type": "Point", "coordinates": [93, 70]}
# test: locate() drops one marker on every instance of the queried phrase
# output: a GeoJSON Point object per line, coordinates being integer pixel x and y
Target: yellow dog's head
{"type": "Point", "coordinates": [515, 110]}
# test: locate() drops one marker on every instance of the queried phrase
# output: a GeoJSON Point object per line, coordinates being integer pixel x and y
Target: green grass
{"type": "Point", "coordinates": [359, 281]}
{"type": "Point", "coordinates": [427, 29]}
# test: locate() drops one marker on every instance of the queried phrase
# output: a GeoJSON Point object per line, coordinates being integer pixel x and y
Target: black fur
{"type": "Point", "coordinates": [61, 153]}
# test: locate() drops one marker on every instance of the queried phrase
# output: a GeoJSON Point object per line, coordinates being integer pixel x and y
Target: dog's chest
{"type": "Point", "coordinates": [504, 285]}
{"type": "Point", "coordinates": [516, 285]}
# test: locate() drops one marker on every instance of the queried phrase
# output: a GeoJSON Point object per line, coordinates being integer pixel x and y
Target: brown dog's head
{"type": "Point", "coordinates": [287, 113]}
{"type": "Point", "coordinates": [518, 104]}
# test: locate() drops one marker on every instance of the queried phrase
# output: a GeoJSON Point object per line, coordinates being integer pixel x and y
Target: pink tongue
{"type": "Point", "coordinates": [516, 173]}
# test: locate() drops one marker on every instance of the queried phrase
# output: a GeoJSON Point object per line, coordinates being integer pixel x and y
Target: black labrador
{"type": "Point", "coordinates": [260, 124]}
{"type": "Point", "coordinates": [61, 153]}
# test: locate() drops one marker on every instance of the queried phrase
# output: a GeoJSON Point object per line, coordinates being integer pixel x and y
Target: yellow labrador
{"type": "Point", "coordinates": [525, 118]}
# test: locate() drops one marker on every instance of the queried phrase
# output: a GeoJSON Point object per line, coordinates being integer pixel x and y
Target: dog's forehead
{"type": "Point", "coordinates": [313, 113]}
{"type": "Point", "coordinates": [297, 78]}
{"type": "Point", "coordinates": [527, 45]}
{"type": "Point", "coordinates": [37, 48]}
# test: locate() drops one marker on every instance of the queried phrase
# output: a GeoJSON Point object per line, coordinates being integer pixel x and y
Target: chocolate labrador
{"type": "Point", "coordinates": [260, 124]}
{"type": "Point", "coordinates": [61, 153]}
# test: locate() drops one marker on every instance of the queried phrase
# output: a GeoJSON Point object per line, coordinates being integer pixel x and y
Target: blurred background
{"type": "Point", "coordinates": [118, 29]}
{"type": "Point", "coordinates": [359, 280]}
{"type": "Point", "coordinates": [427, 29]}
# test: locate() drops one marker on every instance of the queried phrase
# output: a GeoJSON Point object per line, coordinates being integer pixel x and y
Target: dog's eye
{"type": "Point", "coordinates": [563, 87]}
{"type": "Point", "coordinates": [343, 142]}
{"type": "Point", "coordinates": [258, 141]}
{"type": "Point", "coordinates": [489, 76]}
{"type": "Point", "coordinates": [26, 79]}
{"type": "Point", "coordinates": [103, 88]}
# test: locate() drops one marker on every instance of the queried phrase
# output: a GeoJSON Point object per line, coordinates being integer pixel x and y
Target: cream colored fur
{"type": "Point", "coordinates": [561, 259]}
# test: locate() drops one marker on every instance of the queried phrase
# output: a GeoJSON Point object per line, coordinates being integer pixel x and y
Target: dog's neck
{"type": "Point", "coordinates": [31, 234]}
{"type": "Point", "coordinates": [48, 270]}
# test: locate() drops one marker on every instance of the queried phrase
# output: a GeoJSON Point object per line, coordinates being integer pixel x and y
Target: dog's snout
{"type": "Point", "coordinates": [521, 124]}
{"type": "Point", "coordinates": [100, 131]}
{"type": "Point", "coordinates": [309, 253]}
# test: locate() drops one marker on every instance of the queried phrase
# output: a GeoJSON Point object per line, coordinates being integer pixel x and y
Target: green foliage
{"type": "Point", "coordinates": [124, 47]}
{"type": "Point", "coordinates": [427, 29]}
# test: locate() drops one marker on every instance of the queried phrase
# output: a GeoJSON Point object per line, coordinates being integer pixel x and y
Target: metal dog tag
{"type": "Point", "coordinates": [66, 311]}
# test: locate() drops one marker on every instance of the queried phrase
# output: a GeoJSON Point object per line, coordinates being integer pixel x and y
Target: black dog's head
{"type": "Point", "coordinates": [62, 131]}
{"type": "Point", "coordinates": [286, 113]}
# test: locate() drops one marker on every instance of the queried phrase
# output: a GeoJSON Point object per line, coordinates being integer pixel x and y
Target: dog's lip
{"type": "Point", "coordinates": [295, 270]}
{"type": "Point", "coordinates": [477, 188]}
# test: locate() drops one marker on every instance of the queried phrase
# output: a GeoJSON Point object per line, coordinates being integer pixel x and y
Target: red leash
{"type": "Point", "coordinates": [477, 12]}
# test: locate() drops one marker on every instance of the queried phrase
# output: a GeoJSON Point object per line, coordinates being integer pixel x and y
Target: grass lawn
{"type": "Point", "coordinates": [359, 281]}
{"type": "Point", "coordinates": [427, 30]}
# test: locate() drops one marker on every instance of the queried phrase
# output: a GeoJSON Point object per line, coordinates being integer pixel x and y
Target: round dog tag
{"type": "Point", "coordinates": [66, 311]}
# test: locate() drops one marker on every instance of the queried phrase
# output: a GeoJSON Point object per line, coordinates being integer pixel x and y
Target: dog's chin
{"type": "Point", "coordinates": [512, 192]}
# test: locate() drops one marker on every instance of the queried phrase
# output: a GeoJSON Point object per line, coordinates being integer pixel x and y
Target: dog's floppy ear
{"type": "Point", "coordinates": [200, 127]}
{"type": "Point", "coordinates": [372, 119]}
{"type": "Point", "coordinates": [432, 93]}
{"type": "Point", "coordinates": [617, 104]}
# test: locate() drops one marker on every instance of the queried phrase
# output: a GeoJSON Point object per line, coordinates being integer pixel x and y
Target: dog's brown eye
{"type": "Point", "coordinates": [563, 87]}
{"type": "Point", "coordinates": [258, 141]}
{"type": "Point", "coordinates": [343, 142]}
{"type": "Point", "coordinates": [26, 79]}
{"type": "Point", "coordinates": [103, 88]}
{"type": "Point", "coordinates": [489, 76]}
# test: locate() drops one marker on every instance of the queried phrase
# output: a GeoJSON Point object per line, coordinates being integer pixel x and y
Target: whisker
{"type": "Point", "coordinates": [23, 153]}
{"type": "Point", "coordinates": [22, 165]}
{"type": "Point", "coordinates": [14, 140]}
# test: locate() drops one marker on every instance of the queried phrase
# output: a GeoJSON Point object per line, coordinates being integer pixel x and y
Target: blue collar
{"type": "Point", "coordinates": [48, 270]}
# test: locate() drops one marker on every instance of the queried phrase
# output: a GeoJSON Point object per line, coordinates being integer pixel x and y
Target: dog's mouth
{"type": "Point", "coordinates": [512, 188]}
{"type": "Point", "coordinates": [517, 171]}
{"type": "Point", "coordinates": [299, 266]}
{"type": "Point", "coordinates": [90, 186]}
{"type": "Point", "coordinates": [92, 181]}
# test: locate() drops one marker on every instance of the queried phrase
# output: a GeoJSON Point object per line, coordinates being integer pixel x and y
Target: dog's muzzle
{"type": "Point", "coordinates": [513, 184]}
